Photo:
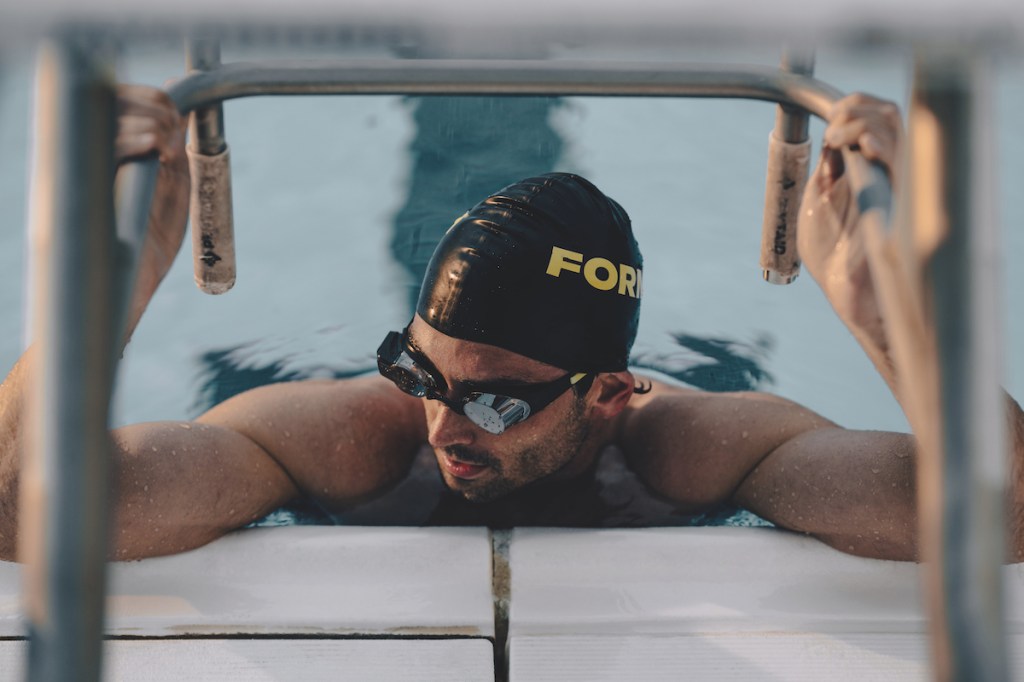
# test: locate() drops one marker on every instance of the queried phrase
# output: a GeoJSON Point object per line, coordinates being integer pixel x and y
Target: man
{"type": "Point", "coordinates": [514, 372]}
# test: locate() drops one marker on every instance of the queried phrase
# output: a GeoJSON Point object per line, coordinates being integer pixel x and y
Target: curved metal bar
{"type": "Point", "coordinates": [501, 77]}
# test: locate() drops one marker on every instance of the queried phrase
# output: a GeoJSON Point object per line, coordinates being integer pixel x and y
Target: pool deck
{"type": "Point", "coordinates": [352, 603]}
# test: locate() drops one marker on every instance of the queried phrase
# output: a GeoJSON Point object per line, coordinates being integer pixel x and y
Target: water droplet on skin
{"type": "Point", "coordinates": [145, 488]}
{"type": "Point", "coordinates": [875, 471]}
{"type": "Point", "coordinates": [745, 434]}
{"type": "Point", "coordinates": [725, 442]}
{"type": "Point", "coordinates": [287, 434]}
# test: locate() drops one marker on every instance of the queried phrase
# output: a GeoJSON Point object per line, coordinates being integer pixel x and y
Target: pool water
{"type": "Point", "coordinates": [338, 201]}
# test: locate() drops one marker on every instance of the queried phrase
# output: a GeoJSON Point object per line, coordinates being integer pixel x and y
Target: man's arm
{"type": "Point", "coordinates": [180, 485]}
{"type": "Point", "coordinates": [148, 124]}
{"type": "Point", "coordinates": [833, 249]}
{"type": "Point", "coordinates": [853, 490]}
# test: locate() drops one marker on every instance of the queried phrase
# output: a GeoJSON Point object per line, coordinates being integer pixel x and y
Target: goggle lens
{"type": "Point", "coordinates": [407, 375]}
{"type": "Point", "coordinates": [493, 412]}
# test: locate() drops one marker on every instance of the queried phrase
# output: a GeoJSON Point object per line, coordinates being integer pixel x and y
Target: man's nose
{"type": "Point", "coordinates": [445, 427]}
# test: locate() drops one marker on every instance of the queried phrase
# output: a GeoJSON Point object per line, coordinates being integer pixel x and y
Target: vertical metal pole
{"type": "Point", "coordinates": [207, 124]}
{"type": "Point", "coordinates": [789, 160]}
{"type": "Point", "coordinates": [64, 488]}
{"type": "Point", "coordinates": [952, 198]}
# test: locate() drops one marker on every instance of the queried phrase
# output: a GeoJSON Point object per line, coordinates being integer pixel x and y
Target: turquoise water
{"type": "Point", "coordinates": [336, 199]}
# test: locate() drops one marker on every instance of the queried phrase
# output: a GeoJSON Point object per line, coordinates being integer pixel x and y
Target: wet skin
{"type": "Point", "coordinates": [553, 443]}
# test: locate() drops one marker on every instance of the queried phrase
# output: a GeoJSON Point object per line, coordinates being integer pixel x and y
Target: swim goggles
{"type": "Point", "coordinates": [493, 408]}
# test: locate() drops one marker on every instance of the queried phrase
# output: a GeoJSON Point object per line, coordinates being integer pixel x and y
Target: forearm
{"type": "Point", "coordinates": [854, 490]}
{"type": "Point", "coordinates": [1015, 437]}
{"type": "Point", "coordinates": [181, 485]}
{"type": "Point", "coordinates": [12, 409]}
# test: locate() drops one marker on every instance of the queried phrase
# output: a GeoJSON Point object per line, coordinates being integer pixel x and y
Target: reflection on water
{"type": "Point", "coordinates": [466, 148]}
{"type": "Point", "coordinates": [714, 364]}
{"type": "Point", "coordinates": [226, 372]}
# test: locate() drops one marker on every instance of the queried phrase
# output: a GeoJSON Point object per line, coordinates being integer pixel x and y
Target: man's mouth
{"type": "Point", "coordinates": [461, 469]}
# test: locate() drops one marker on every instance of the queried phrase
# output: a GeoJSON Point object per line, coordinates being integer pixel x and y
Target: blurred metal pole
{"type": "Point", "coordinates": [953, 203]}
{"type": "Point", "coordinates": [789, 163]}
{"type": "Point", "coordinates": [63, 535]}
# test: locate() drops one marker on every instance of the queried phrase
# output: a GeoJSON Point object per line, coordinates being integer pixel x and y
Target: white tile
{"type": "Point", "coordinates": [716, 604]}
{"type": "Point", "coordinates": [679, 580]}
{"type": "Point", "coordinates": [730, 657]}
{"type": "Point", "coordinates": [301, 579]}
{"type": "Point", "coordinates": [270, 660]}
{"type": "Point", "coordinates": [721, 656]}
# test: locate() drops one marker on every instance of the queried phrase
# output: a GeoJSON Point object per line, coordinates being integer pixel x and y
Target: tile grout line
{"type": "Point", "coordinates": [501, 592]}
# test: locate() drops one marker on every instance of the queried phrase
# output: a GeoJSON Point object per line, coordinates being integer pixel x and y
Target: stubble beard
{"type": "Point", "coordinates": [530, 465]}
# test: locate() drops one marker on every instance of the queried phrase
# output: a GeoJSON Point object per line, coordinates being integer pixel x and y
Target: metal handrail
{"type": "Point", "coordinates": [501, 77]}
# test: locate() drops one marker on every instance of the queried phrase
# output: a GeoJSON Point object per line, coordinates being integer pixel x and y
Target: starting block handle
{"type": "Point", "coordinates": [789, 161]}
{"type": "Point", "coordinates": [210, 208]}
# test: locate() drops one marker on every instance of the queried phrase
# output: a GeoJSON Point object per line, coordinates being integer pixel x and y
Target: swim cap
{"type": "Point", "coordinates": [547, 268]}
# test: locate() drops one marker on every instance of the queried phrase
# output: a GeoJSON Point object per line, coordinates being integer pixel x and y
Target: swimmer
{"type": "Point", "coordinates": [513, 376]}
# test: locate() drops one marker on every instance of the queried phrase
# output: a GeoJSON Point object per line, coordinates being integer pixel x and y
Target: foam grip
{"type": "Point", "coordinates": [788, 165]}
{"type": "Point", "coordinates": [213, 231]}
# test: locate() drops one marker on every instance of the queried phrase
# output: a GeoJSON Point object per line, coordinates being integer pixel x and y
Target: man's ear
{"type": "Point", "coordinates": [612, 391]}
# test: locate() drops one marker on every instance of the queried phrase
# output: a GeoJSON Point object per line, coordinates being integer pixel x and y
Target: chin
{"type": "Point", "coordinates": [478, 492]}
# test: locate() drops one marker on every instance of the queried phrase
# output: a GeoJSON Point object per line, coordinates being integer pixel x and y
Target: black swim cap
{"type": "Point", "coordinates": [547, 268]}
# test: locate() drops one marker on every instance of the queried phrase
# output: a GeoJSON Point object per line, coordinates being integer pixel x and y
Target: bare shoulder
{"type": "Point", "coordinates": [314, 400]}
{"type": "Point", "coordinates": [667, 401]}
{"type": "Point", "coordinates": [696, 447]}
{"type": "Point", "coordinates": [339, 440]}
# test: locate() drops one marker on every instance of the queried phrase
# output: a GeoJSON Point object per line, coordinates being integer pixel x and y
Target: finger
{"type": "Point", "coordinates": [845, 133]}
{"type": "Point", "coordinates": [135, 147]}
{"type": "Point", "coordinates": [148, 122]}
{"type": "Point", "coordinates": [875, 140]}
{"type": "Point", "coordinates": [832, 165]}
{"type": "Point", "coordinates": [140, 136]}
{"type": "Point", "coordinates": [145, 131]}
{"type": "Point", "coordinates": [139, 100]}
{"type": "Point", "coordinates": [859, 104]}
{"type": "Point", "coordinates": [883, 117]}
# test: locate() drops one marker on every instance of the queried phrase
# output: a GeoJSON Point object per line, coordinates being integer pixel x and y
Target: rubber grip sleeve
{"type": "Point", "coordinates": [788, 165]}
{"type": "Point", "coordinates": [213, 232]}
